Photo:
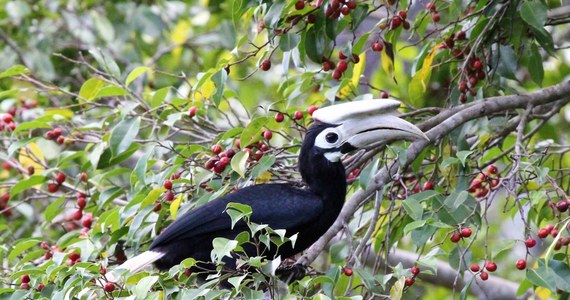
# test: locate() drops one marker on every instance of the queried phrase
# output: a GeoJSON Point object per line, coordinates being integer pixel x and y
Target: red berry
{"type": "Point", "coordinates": [167, 184]}
{"type": "Point", "coordinates": [25, 278]}
{"type": "Point", "coordinates": [77, 215]}
{"type": "Point", "coordinates": [435, 17]}
{"type": "Point", "coordinates": [40, 287]}
{"type": "Point", "coordinates": [554, 232]}
{"type": "Point", "coordinates": [428, 185]}
{"type": "Point", "coordinates": [430, 6]}
{"type": "Point", "coordinates": [403, 14]}
{"type": "Point", "coordinates": [109, 287]}
{"type": "Point", "coordinates": [219, 167]}
{"type": "Point", "coordinates": [25, 286]}
{"type": "Point", "coordinates": [409, 281]}
{"type": "Point", "coordinates": [347, 271]}
{"type": "Point", "coordinates": [345, 10]}
{"type": "Point", "coordinates": [477, 64]}
{"type": "Point", "coordinates": [311, 109]}
{"type": "Point", "coordinates": [216, 149]}
{"type": "Point", "coordinates": [157, 206]}
{"type": "Point", "coordinates": [455, 237]}
{"type": "Point", "coordinates": [521, 264]}
{"type": "Point", "coordinates": [482, 193]}
{"type": "Point", "coordinates": [192, 111]}
{"type": "Point", "coordinates": [265, 65]}
{"type": "Point", "coordinates": [341, 66]}
{"type": "Point", "coordinates": [341, 55]}
{"type": "Point", "coordinates": [81, 202]}
{"type": "Point", "coordinates": [336, 75]}
{"type": "Point", "coordinates": [230, 153]}
{"type": "Point", "coordinates": [484, 276]}
{"type": "Point", "coordinates": [415, 271]}
{"type": "Point", "coordinates": [466, 232]}
{"type": "Point", "coordinates": [299, 5]}
{"type": "Point", "coordinates": [549, 227]}
{"type": "Point", "coordinates": [44, 245]}
{"type": "Point", "coordinates": [73, 256]}
{"type": "Point", "coordinates": [225, 161]}
{"type": "Point", "coordinates": [279, 117]}
{"type": "Point", "coordinates": [384, 95]}
{"type": "Point", "coordinates": [6, 166]}
{"type": "Point", "coordinates": [7, 118]}
{"type": "Point", "coordinates": [460, 35]}
{"type": "Point", "coordinates": [396, 21]}
{"type": "Point", "coordinates": [298, 115]}
{"type": "Point", "coordinates": [11, 126]}
{"type": "Point", "coordinates": [258, 154]}
{"type": "Point", "coordinates": [355, 58]}
{"type": "Point", "coordinates": [267, 135]}
{"type": "Point", "coordinates": [351, 4]}
{"type": "Point", "coordinates": [169, 195]}
{"type": "Point", "coordinates": [474, 268]}
{"type": "Point", "coordinates": [83, 177]}
{"type": "Point", "coordinates": [49, 135]}
{"type": "Point", "coordinates": [237, 143]}
{"type": "Point", "coordinates": [377, 46]}
{"type": "Point", "coordinates": [60, 140]}
{"type": "Point", "coordinates": [57, 132]}
{"type": "Point", "coordinates": [53, 187]}
{"type": "Point", "coordinates": [31, 170]}
{"type": "Point", "coordinates": [60, 178]}
{"type": "Point", "coordinates": [102, 270]}
{"type": "Point", "coordinates": [462, 86]}
{"type": "Point", "coordinates": [87, 220]}
{"type": "Point", "coordinates": [530, 242]}
{"type": "Point", "coordinates": [492, 169]}
{"type": "Point", "coordinates": [406, 25]}
{"type": "Point", "coordinates": [542, 233]}
{"type": "Point", "coordinates": [481, 75]}
{"type": "Point", "coordinates": [491, 266]}
{"type": "Point", "coordinates": [563, 205]}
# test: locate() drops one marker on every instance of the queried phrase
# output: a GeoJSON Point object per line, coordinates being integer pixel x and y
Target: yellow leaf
{"type": "Point", "coordinates": [208, 89]}
{"type": "Point", "coordinates": [32, 155]}
{"type": "Point", "coordinates": [425, 72]}
{"type": "Point", "coordinates": [174, 206]}
{"type": "Point", "coordinates": [358, 69]}
{"type": "Point", "coordinates": [543, 293]}
{"type": "Point", "coordinates": [67, 113]}
{"type": "Point", "coordinates": [387, 64]}
{"type": "Point", "coordinates": [397, 289]}
{"type": "Point", "coordinates": [263, 178]}
{"type": "Point", "coordinates": [179, 35]}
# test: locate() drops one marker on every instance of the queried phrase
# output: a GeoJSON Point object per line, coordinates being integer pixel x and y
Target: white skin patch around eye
{"type": "Point", "coordinates": [335, 139]}
{"type": "Point", "coordinates": [333, 156]}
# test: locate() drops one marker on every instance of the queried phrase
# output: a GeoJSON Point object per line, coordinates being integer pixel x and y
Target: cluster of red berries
{"type": "Point", "coordinates": [169, 194]}
{"type": "Point", "coordinates": [25, 285]}
{"type": "Point", "coordinates": [55, 134]}
{"type": "Point", "coordinates": [432, 9]}
{"type": "Point", "coordinates": [59, 180]}
{"type": "Point", "coordinates": [297, 115]}
{"type": "Point", "coordinates": [220, 160]}
{"type": "Point", "coordinates": [400, 19]}
{"type": "Point", "coordinates": [473, 73]}
{"type": "Point", "coordinates": [465, 232]}
{"type": "Point", "coordinates": [410, 280]}
{"type": "Point", "coordinates": [552, 231]}
{"type": "Point", "coordinates": [490, 179]}
{"type": "Point", "coordinates": [338, 7]}
{"type": "Point", "coordinates": [341, 66]}
{"type": "Point", "coordinates": [489, 266]}
{"type": "Point", "coordinates": [7, 122]}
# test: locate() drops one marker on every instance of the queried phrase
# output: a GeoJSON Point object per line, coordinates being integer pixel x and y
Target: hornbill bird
{"type": "Point", "coordinates": [337, 130]}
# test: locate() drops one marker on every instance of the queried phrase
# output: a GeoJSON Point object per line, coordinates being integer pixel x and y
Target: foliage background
{"type": "Point", "coordinates": [119, 79]}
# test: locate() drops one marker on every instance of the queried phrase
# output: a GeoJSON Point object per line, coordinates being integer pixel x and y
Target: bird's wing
{"type": "Point", "coordinates": [280, 206]}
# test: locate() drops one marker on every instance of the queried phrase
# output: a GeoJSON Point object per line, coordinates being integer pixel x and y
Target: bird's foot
{"type": "Point", "coordinates": [291, 272]}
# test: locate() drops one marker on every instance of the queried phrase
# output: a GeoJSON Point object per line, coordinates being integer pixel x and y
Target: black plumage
{"type": "Point", "coordinates": [306, 212]}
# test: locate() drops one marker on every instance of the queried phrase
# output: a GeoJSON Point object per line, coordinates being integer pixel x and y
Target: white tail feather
{"type": "Point", "coordinates": [136, 264]}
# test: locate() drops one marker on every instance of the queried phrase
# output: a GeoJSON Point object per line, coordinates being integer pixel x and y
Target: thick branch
{"type": "Point", "coordinates": [441, 125]}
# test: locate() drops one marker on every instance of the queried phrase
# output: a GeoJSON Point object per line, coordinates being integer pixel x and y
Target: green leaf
{"type": "Point", "coordinates": [463, 155]}
{"type": "Point", "coordinates": [21, 246]}
{"type": "Point", "coordinates": [238, 211]}
{"type": "Point", "coordinates": [413, 208]}
{"type": "Point", "coordinates": [159, 96]}
{"type": "Point", "coordinates": [136, 73]}
{"type": "Point", "coordinates": [315, 44]}
{"type": "Point", "coordinates": [140, 168]}
{"type": "Point", "coordinates": [54, 209]}
{"type": "Point", "coordinates": [25, 184]}
{"type": "Point", "coordinates": [144, 285]}
{"type": "Point", "coordinates": [15, 146]}
{"type": "Point", "coordinates": [110, 91]}
{"type": "Point", "coordinates": [289, 41]}
{"type": "Point", "coordinates": [274, 13]}
{"type": "Point", "coordinates": [534, 13]}
{"type": "Point", "coordinates": [123, 135]}
{"type": "Point", "coordinates": [219, 78]}
{"type": "Point", "coordinates": [535, 66]}
{"type": "Point", "coordinates": [32, 125]}
{"type": "Point", "coordinates": [414, 225]}
{"type": "Point", "coordinates": [252, 133]}
{"type": "Point", "coordinates": [14, 71]}
{"type": "Point", "coordinates": [222, 248]}
{"type": "Point", "coordinates": [106, 61]}
{"type": "Point", "coordinates": [90, 88]}
{"type": "Point", "coordinates": [239, 162]}
{"type": "Point", "coordinates": [263, 165]}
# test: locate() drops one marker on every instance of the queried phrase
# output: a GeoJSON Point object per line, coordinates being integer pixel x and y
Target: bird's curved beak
{"type": "Point", "coordinates": [368, 123]}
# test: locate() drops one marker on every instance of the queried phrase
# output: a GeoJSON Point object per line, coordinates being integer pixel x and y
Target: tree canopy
{"type": "Point", "coordinates": [119, 116]}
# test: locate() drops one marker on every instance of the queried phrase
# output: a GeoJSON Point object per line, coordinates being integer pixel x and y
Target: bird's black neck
{"type": "Point", "coordinates": [325, 178]}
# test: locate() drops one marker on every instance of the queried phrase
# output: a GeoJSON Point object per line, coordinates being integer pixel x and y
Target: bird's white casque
{"type": "Point", "coordinates": [362, 124]}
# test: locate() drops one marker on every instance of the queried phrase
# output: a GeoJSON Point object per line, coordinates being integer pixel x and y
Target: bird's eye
{"type": "Point", "coordinates": [331, 137]}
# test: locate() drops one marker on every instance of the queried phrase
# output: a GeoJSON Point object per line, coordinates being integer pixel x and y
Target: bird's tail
{"type": "Point", "coordinates": [136, 264]}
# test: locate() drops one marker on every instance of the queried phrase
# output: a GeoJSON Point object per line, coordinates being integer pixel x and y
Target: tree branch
{"type": "Point", "coordinates": [439, 126]}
